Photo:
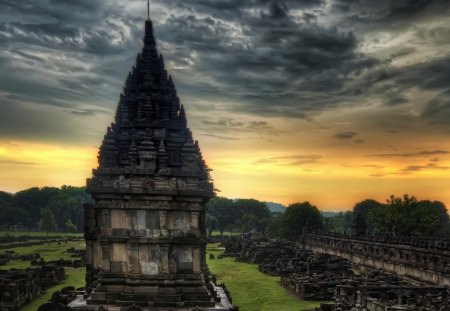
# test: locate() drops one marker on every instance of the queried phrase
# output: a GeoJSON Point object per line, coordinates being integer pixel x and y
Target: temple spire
{"type": "Point", "coordinates": [148, 9]}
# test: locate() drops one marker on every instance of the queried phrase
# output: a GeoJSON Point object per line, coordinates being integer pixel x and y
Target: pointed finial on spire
{"type": "Point", "coordinates": [148, 9]}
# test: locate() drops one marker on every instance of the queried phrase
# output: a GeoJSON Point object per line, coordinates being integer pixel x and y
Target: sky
{"type": "Point", "coordinates": [327, 101]}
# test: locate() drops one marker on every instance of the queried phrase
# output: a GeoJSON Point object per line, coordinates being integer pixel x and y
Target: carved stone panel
{"type": "Point", "coordinates": [132, 222]}
{"type": "Point", "coordinates": [179, 223]}
{"type": "Point", "coordinates": [152, 219]}
{"type": "Point", "coordinates": [118, 219]}
{"type": "Point", "coordinates": [119, 252]}
{"type": "Point", "coordinates": [184, 259]}
{"type": "Point", "coordinates": [149, 268]}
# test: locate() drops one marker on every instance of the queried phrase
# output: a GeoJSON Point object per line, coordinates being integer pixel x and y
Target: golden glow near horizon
{"type": "Point", "coordinates": [334, 180]}
{"type": "Point", "coordinates": [31, 164]}
{"type": "Point", "coordinates": [326, 109]}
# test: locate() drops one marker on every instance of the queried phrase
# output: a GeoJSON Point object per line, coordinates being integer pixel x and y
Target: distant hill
{"type": "Point", "coordinates": [328, 214]}
{"type": "Point", "coordinates": [275, 207]}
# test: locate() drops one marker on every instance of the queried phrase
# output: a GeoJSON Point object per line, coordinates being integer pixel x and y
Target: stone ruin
{"type": "Point", "coordinates": [18, 287]}
{"type": "Point", "coordinates": [8, 255]}
{"type": "Point", "coordinates": [8, 241]}
{"type": "Point", "coordinates": [318, 276]}
{"type": "Point", "coordinates": [21, 286]}
{"type": "Point", "coordinates": [418, 259]}
{"type": "Point", "coordinates": [145, 229]}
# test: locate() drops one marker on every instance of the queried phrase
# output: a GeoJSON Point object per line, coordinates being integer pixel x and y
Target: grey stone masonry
{"type": "Point", "coordinates": [145, 230]}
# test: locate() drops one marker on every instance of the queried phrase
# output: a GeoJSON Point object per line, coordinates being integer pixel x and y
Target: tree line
{"type": "Point", "coordinates": [398, 216]}
{"type": "Point", "coordinates": [47, 208]}
{"type": "Point", "coordinates": [61, 209]}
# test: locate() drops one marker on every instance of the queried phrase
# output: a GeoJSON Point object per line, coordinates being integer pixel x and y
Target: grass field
{"type": "Point", "coordinates": [75, 277]}
{"type": "Point", "coordinates": [252, 290]}
{"type": "Point", "coordinates": [49, 251]}
{"type": "Point", "coordinates": [39, 233]}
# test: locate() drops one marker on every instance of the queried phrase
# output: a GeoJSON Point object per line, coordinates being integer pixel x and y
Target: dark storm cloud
{"type": "Point", "coordinates": [438, 109]}
{"type": "Point", "coordinates": [224, 125]}
{"type": "Point", "coordinates": [345, 135]}
{"type": "Point", "coordinates": [425, 153]}
{"type": "Point", "coordinates": [292, 160]}
{"type": "Point", "coordinates": [269, 57]}
{"type": "Point", "coordinates": [219, 136]}
{"type": "Point", "coordinates": [429, 166]}
{"type": "Point", "coordinates": [259, 57]}
{"type": "Point", "coordinates": [395, 15]}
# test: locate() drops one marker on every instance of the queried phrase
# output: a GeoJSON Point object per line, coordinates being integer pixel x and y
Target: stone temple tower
{"type": "Point", "coordinates": [145, 230]}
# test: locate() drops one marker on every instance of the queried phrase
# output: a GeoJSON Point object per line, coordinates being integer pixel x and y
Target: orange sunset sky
{"type": "Point", "coordinates": [327, 101]}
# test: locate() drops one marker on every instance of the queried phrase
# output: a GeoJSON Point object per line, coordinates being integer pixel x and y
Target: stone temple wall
{"type": "Point", "coordinates": [416, 259]}
{"type": "Point", "coordinates": [145, 228]}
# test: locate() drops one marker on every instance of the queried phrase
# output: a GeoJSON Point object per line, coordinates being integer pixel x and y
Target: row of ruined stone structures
{"type": "Point", "coordinates": [21, 286]}
{"type": "Point", "coordinates": [323, 277]}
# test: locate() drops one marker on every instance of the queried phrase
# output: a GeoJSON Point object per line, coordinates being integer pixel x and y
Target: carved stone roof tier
{"type": "Point", "coordinates": [150, 133]}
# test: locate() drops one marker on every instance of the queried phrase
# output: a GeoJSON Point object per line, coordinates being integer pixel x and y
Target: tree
{"type": "Point", "coordinates": [274, 227]}
{"type": "Point", "coordinates": [364, 208]}
{"type": "Point", "coordinates": [291, 224]}
{"type": "Point", "coordinates": [253, 214]}
{"type": "Point", "coordinates": [6, 199]}
{"type": "Point", "coordinates": [431, 218]}
{"type": "Point", "coordinates": [211, 223]}
{"type": "Point", "coordinates": [33, 200]}
{"type": "Point", "coordinates": [340, 223]}
{"type": "Point", "coordinates": [223, 210]}
{"type": "Point", "coordinates": [67, 204]}
{"type": "Point", "coordinates": [47, 222]}
{"type": "Point", "coordinates": [407, 216]}
{"type": "Point", "coordinates": [12, 216]}
{"type": "Point", "coordinates": [70, 227]}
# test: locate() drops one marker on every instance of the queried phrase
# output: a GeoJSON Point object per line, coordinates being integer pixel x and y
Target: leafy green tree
{"type": "Point", "coordinates": [13, 216]}
{"type": "Point", "coordinates": [6, 199]}
{"type": "Point", "coordinates": [291, 224]}
{"type": "Point", "coordinates": [364, 208]}
{"type": "Point", "coordinates": [70, 227]}
{"type": "Point", "coordinates": [249, 222]}
{"type": "Point", "coordinates": [340, 223]}
{"type": "Point", "coordinates": [274, 227]}
{"type": "Point", "coordinates": [47, 222]}
{"type": "Point", "coordinates": [223, 210]}
{"type": "Point", "coordinates": [407, 216]}
{"type": "Point", "coordinates": [211, 223]}
{"type": "Point", "coordinates": [395, 217]}
{"type": "Point", "coordinates": [33, 200]}
{"type": "Point", "coordinates": [66, 205]}
{"type": "Point", "coordinates": [253, 214]}
{"type": "Point", "coordinates": [431, 218]}
{"type": "Point", "coordinates": [300, 216]}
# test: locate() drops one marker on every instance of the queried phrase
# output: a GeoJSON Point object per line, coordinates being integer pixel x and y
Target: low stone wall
{"type": "Point", "coordinates": [18, 287]}
{"type": "Point", "coordinates": [421, 260]}
{"type": "Point", "coordinates": [7, 242]}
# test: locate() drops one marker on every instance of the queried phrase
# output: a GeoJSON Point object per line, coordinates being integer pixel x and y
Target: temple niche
{"type": "Point", "coordinates": [145, 230]}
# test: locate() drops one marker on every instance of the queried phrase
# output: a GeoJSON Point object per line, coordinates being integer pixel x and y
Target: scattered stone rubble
{"type": "Point", "coordinates": [18, 286]}
{"type": "Point", "coordinates": [11, 255]}
{"type": "Point", "coordinates": [316, 276]}
{"type": "Point", "coordinates": [8, 241]}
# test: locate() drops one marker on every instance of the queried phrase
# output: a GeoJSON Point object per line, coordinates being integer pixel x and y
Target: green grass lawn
{"type": "Point", "coordinates": [252, 290]}
{"type": "Point", "coordinates": [49, 251]}
{"type": "Point", "coordinates": [225, 233]}
{"type": "Point", "coordinates": [39, 233]}
{"type": "Point", "coordinates": [75, 277]}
